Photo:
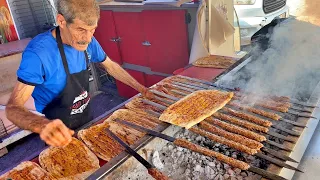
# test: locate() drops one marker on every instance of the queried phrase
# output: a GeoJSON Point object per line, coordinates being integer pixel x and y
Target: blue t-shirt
{"type": "Point", "coordinates": [42, 67]}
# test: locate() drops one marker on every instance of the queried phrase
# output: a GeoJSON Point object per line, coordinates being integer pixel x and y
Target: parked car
{"type": "Point", "coordinates": [254, 14]}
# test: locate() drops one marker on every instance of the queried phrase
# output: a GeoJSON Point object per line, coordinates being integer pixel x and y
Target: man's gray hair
{"type": "Point", "coordinates": [85, 10]}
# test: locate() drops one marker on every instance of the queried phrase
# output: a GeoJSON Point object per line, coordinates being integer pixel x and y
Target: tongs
{"type": "Point", "coordinates": [154, 172]}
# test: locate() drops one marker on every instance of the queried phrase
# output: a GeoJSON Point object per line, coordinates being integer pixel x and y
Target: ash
{"type": "Point", "coordinates": [183, 164]}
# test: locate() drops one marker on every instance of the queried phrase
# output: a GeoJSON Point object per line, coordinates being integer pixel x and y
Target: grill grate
{"type": "Point", "coordinates": [270, 6]}
{"type": "Point", "coordinates": [3, 130]}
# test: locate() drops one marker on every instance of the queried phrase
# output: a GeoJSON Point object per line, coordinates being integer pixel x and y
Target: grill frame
{"type": "Point", "coordinates": [270, 6]}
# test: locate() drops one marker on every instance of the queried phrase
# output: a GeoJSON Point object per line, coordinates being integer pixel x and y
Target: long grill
{"type": "Point", "coordinates": [270, 6]}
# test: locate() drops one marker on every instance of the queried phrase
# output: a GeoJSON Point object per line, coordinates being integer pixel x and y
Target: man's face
{"type": "Point", "coordinates": [78, 34]}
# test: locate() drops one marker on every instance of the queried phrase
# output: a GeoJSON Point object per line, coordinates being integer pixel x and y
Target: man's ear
{"type": "Point", "coordinates": [61, 21]}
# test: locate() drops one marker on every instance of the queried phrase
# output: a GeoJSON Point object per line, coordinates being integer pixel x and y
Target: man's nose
{"type": "Point", "coordinates": [88, 36]}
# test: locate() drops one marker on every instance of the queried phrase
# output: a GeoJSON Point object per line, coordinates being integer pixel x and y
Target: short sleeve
{"type": "Point", "coordinates": [31, 70]}
{"type": "Point", "coordinates": [96, 52]}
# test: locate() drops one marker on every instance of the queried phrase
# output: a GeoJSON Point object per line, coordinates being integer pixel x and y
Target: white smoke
{"type": "Point", "coordinates": [289, 67]}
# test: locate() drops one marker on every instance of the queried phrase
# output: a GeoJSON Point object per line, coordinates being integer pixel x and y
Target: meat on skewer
{"type": "Point", "coordinates": [222, 140]}
{"type": "Point", "coordinates": [234, 137]}
{"type": "Point", "coordinates": [248, 117]}
{"type": "Point", "coordinates": [270, 115]}
{"type": "Point", "coordinates": [246, 124]}
{"type": "Point", "coordinates": [236, 129]}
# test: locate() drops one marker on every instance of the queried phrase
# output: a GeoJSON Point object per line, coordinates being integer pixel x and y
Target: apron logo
{"type": "Point", "coordinates": [80, 103]}
{"type": "Point", "coordinates": [89, 56]}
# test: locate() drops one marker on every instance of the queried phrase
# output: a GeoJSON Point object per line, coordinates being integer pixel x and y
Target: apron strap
{"type": "Point", "coordinates": [87, 58]}
{"type": "Point", "coordinates": [61, 49]}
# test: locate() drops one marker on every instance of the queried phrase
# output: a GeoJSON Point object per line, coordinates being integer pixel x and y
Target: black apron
{"type": "Point", "coordinates": [72, 104]}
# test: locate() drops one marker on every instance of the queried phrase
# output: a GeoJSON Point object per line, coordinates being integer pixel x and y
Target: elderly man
{"type": "Point", "coordinates": [54, 70]}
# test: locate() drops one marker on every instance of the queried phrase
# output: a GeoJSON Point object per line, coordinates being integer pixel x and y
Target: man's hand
{"type": "Point", "coordinates": [147, 94]}
{"type": "Point", "coordinates": [161, 88]}
{"type": "Point", "coordinates": [55, 133]}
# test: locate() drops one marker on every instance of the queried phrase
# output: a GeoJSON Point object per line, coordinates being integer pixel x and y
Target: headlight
{"type": "Point", "coordinates": [244, 2]}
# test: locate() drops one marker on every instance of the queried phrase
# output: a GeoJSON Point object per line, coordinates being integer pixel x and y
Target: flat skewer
{"type": "Point", "coordinates": [175, 85]}
{"type": "Point", "coordinates": [164, 107]}
{"type": "Point", "coordinates": [291, 132]}
{"type": "Point", "coordinates": [265, 149]}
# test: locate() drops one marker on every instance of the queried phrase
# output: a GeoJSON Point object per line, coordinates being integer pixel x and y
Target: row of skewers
{"type": "Point", "coordinates": [238, 126]}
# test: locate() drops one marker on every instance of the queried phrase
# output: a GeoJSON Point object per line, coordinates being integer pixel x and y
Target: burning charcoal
{"type": "Point", "coordinates": [180, 149]}
{"type": "Point", "coordinates": [217, 145]}
{"type": "Point", "coordinates": [226, 166]}
{"type": "Point", "coordinates": [198, 138]}
{"type": "Point", "coordinates": [218, 166]}
{"type": "Point", "coordinates": [185, 158]}
{"type": "Point", "coordinates": [179, 154]}
{"type": "Point", "coordinates": [239, 178]}
{"type": "Point", "coordinates": [175, 160]}
{"type": "Point", "coordinates": [233, 178]}
{"type": "Point", "coordinates": [251, 158]}
{"type": "Point", "coordinates": [226, 176]}
{"type": "Point", "coordinates": [216, 149]}
{"type": "Point", "coordinates": [231, 172]}
{"type": "Point", "coordinates": [207, 170]}
{"type": "Point", "coordinates": [217, 177]}
{"type": "Point", "coordinates": [203, 157]}
{"type": "Point", "coordinates": [237, 171]}
{"type": "Point", "coordinates": [227, 153]}
{"type": "Point", "coordinates": [253, 177]}
{"type": "Point", "coordinates": [195, 174]}
{"type": "Point", "coordinates": [186, 133]}
{"type": "Point", "coordinates": [187, 171]}
{"type": "Point", "coordinates": [156, 160]}
{"type": "Point", "coordinates": [212, 164]}
{"type": "Point", "coordinates": [244, 174]}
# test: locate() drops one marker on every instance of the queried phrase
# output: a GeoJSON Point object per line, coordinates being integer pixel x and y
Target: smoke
{"type": "Point", "coordinates": [289, 67]}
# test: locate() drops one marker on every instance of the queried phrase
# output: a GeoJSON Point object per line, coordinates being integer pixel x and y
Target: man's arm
{"type": "Point", "coordinates": [120, 74]}
{"type": "Point", "coordinates": [54, 133]}
{"type": "Point", "coordinates": [18, 114]}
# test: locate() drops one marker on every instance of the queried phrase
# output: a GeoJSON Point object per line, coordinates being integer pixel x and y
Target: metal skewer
{"type": "Point", "coordinates": [265, 149]}
{"type": "Point", "coordinates": [291, 132]}
{"type": "Point", "coordinates": [190, 90]}
{"type": "Point", "coordinates": [294, 101]}
{"type": "Point", "coordinates": [198, 87]}
{"type": "Point", "coordinates": [163, 108]}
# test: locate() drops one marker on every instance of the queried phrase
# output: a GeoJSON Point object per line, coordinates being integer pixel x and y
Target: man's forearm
{"type": "Point", "coordinates": [25, 119]}
{"type": "Point", "coordinates": [120, 74]}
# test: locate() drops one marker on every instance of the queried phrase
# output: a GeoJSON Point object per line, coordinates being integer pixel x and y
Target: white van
{"type": "Point", "coordinates": [254, 14]}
